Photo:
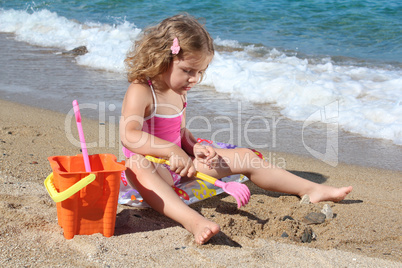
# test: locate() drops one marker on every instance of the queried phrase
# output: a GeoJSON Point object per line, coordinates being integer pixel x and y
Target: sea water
{"type": "Point", "coordinates": [301, 57]}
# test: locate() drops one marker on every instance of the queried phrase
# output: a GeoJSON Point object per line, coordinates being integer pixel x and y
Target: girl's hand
{"type": "Point", "coordinates": [182, 164]}
{"type": "Point", "coordinates": [205, 155]}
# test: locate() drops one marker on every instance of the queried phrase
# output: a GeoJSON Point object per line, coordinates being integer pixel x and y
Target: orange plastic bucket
{"type": "Point", "coordinates": [93, 208]}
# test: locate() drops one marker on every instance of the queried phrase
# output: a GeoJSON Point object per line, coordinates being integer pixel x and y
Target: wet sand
{"type": "Point", "coordinates": [365, 232]}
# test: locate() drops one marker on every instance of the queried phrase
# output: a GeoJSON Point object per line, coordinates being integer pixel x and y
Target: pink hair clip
{"type": "Point", "coordinates": [175, 47]}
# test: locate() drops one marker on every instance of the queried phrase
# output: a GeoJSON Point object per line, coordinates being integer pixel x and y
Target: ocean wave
{"type": "Point", "coordinates": [368, 97]}
{"type": "Point", "coordinates": [107, 44]}
{"type": "Point", "coordinates": [368, 100]}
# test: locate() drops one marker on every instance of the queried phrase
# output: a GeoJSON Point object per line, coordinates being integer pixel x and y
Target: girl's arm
{"type": "Point", "coordinates": [204, 154]}
{"type": "Point", "coordinates": [187, 141]}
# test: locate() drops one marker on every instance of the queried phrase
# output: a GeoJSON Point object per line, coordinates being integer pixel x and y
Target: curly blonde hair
{"type": "Point", "coordinates": [151, 55]}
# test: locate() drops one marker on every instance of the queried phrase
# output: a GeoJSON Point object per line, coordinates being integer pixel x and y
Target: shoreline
{"type": "Point", "coordinates": [365, 231]}
{"type": "Point", "coordinates": [40, 77]}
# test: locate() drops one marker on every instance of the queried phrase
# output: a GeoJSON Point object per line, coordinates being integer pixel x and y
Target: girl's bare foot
{"type": "Point", "coordinates": [203, 230]}
{"type": "Point", "coordinates": [329, 193]}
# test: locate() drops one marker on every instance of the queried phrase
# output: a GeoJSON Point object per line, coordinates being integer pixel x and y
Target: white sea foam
{"type": "Point", "coordinates": [107, 44]}
{"type": "Point", "coordinates": [369, 98]}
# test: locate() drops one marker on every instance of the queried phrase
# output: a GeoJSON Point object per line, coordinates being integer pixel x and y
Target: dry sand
{"type": "Point", "coordinates": [366, 230]}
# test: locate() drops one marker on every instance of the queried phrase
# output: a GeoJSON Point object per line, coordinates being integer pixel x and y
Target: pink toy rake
{"type": "Point", "coordinates": [239, 191]}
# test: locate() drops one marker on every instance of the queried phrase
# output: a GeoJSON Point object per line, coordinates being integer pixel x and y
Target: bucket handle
{"type": "Point", "coordinates": [58, 197]}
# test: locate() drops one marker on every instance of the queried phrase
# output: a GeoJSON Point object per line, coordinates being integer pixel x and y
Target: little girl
{"type": "Point", "coordinates": [164, 65]}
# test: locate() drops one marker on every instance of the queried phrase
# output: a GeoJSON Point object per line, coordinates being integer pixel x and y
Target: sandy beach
{"type": "Point", "coordinates": [365, 232]}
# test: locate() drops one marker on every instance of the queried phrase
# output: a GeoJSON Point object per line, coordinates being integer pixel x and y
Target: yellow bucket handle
{"type": "Point", "coordinates": [58, 197]}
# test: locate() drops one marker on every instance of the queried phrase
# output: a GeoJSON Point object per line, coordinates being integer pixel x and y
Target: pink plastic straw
{"type": "Point", "coordinates": [81, 134]}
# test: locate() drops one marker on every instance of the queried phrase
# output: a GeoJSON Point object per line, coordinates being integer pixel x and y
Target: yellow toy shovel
{"type": "Point", "coordinates": [239, 191]}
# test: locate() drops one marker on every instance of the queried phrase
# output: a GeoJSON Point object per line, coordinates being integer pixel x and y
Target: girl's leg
{"type": "Point", "coordinates": [155, 187]}
{"type": "Point", "coordinates": [269, 177]}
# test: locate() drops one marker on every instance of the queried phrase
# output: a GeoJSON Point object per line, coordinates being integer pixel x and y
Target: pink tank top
{"type": "Point", "coordinates": [166, 127]}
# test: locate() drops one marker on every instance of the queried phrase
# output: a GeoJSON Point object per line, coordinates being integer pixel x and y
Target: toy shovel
{"type": "Point", "coordinates": [239, 191]}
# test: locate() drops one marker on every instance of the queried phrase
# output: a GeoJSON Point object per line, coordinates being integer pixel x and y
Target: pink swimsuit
{"type": "Point", "coordinates": [166, 127]}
